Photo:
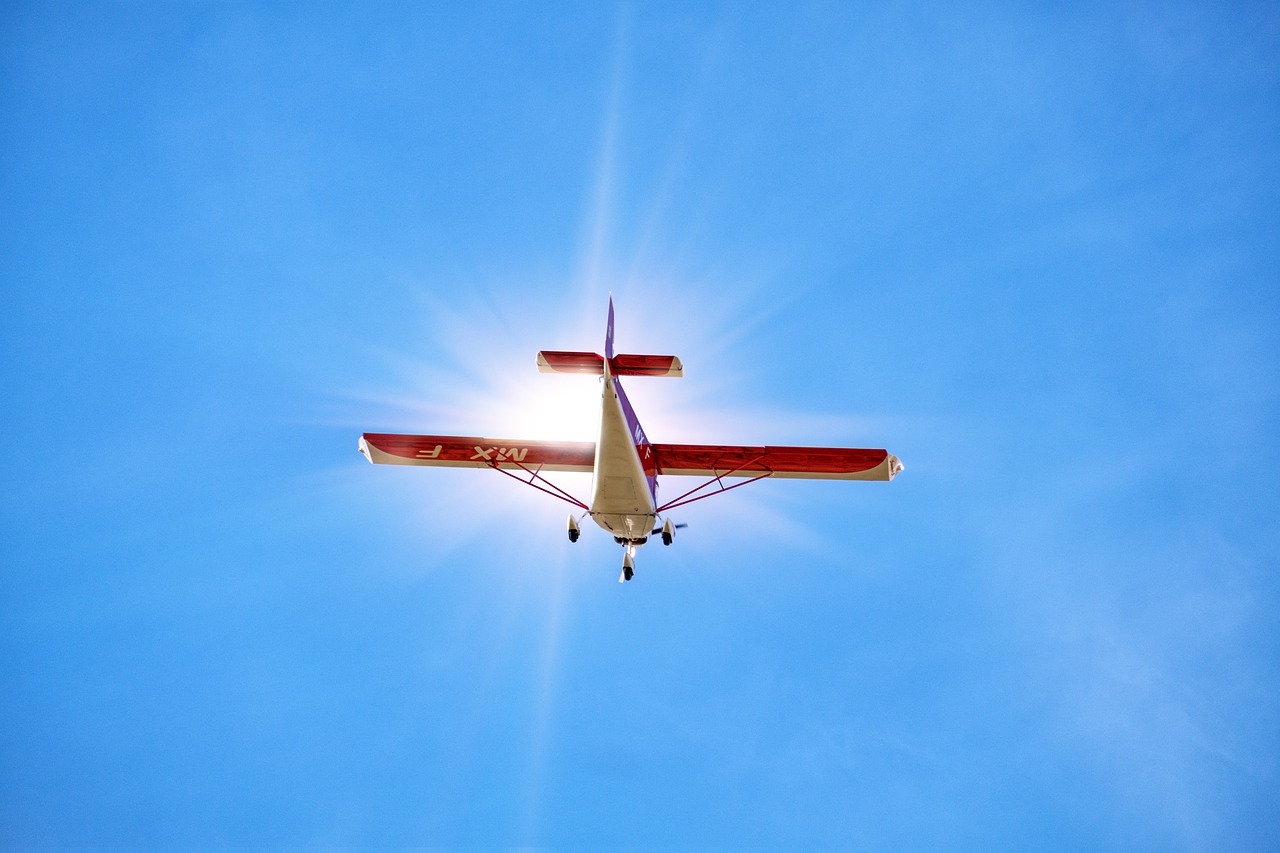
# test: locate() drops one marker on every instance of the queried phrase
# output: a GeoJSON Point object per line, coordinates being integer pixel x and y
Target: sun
{"type": "Point", "coordinates": [544, 407]}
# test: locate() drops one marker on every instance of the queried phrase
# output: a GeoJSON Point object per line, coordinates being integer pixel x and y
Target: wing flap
{"type": "Point", "coordinates": [811, 463]}
{"type": "Point", "coordinates": [464, 451]}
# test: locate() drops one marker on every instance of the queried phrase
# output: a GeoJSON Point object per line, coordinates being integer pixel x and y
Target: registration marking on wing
{"type": "Point", "coordinates": [461, 451]}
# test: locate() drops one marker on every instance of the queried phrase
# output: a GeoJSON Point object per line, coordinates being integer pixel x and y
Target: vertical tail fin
{"type": "Point", "coordinates": [608, 335]}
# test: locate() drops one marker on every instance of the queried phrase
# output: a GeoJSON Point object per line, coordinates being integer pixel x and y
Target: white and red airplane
{"type": "Point", "coordinates": [625, 465]}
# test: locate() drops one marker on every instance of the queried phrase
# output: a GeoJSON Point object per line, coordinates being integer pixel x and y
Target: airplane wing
{"type": "Point", "coordinates": [812, 463]}
{"type": "Point", "coordinates": [464, 451]}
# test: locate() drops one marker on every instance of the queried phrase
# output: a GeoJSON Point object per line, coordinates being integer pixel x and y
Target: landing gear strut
{"type": "Point", "coordinates": [628, 564]}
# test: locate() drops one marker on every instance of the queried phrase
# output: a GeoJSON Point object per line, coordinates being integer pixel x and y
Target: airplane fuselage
{"type": "Point", "coordinates": [624, 491]}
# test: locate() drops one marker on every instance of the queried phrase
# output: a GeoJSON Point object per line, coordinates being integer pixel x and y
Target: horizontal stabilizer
{"type": "Point", "coordinates": [463, 451]}
{"type": "Point", "coordinates": [646, 365]}
{"type": "Point", "coordinates": [811, 463]}
{"type": "Point", "coordinates": [555, 361]}
{"type": "Point", "coordinates": [592, 363]}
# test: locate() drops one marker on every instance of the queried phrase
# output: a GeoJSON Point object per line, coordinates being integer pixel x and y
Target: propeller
{"type": "Point", "coordinates": [657, 530]}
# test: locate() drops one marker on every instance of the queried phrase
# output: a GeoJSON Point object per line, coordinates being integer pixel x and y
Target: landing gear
{"type": "Point", "coordinates": [628, 564]}
{"type": "Point", "coordinates": [668, 531]}
{"type": "Point", "coordinates": [574, 532]}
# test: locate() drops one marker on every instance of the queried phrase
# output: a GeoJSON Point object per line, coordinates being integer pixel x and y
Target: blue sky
{"type": "Point", "coordinates": [1031, 251]}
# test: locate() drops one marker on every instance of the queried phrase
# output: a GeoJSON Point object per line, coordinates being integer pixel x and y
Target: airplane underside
{"type": "Point", "coordinates": [623, 494]}
{"type": "Point", "coordinates": [624, 464]}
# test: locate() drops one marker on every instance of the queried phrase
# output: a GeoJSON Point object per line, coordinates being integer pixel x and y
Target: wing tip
{"type": "Point", "coordinates": [896, 466]}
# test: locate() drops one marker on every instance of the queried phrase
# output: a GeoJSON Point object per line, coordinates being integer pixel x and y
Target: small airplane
{"type": "Point", "coordinates": [625, 465]}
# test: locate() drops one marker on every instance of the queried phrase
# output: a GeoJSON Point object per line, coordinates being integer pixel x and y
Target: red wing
{"type": "Point", "coordinates": [816, 463]}
{"type": "Point", "coordinates": [462, 451]}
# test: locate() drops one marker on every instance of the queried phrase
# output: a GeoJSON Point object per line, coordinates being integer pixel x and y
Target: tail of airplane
{"type": "Point", "coordinates": [592, 363]}
{"type": "Point", "coordinates": [555, 361]}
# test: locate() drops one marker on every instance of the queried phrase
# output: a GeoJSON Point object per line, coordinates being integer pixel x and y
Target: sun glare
{"type": "Point", "coordinates": [554, 408]}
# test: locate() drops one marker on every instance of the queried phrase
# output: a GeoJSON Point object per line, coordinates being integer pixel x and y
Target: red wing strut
{"type": "Point", "coordinates": [502, 455]}
{"type": "Point", "coordinates": [720, 461]}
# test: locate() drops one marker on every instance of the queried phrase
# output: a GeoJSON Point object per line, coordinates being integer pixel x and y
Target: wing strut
{"type": "Point", "coordinates": [554, 490]}
{"type": "Point", "coordinates": [716, 480]}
